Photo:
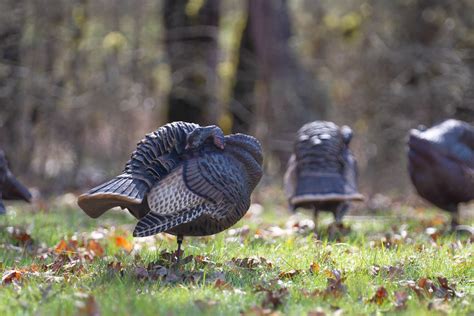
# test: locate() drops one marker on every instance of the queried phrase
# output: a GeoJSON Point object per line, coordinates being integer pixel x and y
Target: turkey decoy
{"type": "Point", "coordinates": [10, 187]}
{"type": "Point", "coordinates": [183, 179]}
{"type": "Point", "coordinates": [441, 164]}
{"type": "Point", "coordinates": [322, 172]}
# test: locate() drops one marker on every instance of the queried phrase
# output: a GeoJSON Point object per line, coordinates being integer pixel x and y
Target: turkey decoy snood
{"type": "Point", "coordinates": [322, 172]}
{"type": "Point", "coordinates": [183, 179]}
{"type": "Point", "coordinates": [10, 187]}
{"type": "Point", "coordinates": [441, 164]}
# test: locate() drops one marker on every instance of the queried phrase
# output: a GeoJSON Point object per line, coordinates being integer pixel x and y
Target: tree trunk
{"type": "Point", "coordinates": [191, 44]}
{"type": "Point", "coordinates": [12, 127]}
{"type": "Point", "coordinates": [284, 95]}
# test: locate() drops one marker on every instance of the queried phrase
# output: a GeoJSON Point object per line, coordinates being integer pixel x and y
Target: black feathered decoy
{"type": "Point", "coordinates": [322, 171]}
{"type": "Point", "coordinates": [441, 164]}
{"type": "Point", "coordinates": [183, 179]}
{"type": "Point", "coordinates": [10, 187]}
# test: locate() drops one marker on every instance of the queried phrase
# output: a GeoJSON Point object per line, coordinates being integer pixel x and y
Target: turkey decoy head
{"type": "Point", "coordinates": [200, 135]}
{"type": "Point", "coordinates": [346, 132]}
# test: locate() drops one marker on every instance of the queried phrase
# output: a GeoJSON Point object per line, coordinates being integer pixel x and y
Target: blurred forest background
{"type": "Point", "coordinates": [82, 81]}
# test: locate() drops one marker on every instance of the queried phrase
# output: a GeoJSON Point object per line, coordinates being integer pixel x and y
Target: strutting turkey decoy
{"type": "Point", "coordinates": [441, 164]}
{"type": "Point", "coordinates": [10, 187]}
{"type": "Point", "coordinates": [322, 171]}
{"type": "Point", "coordinates": [183, 179]}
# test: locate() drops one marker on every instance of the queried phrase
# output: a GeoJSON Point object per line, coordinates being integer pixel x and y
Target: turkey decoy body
{"type": "Point", "coordinates": [183, 179]}
{"type": "Point", "coordinates": [10, 187]}
{"type": "Point", "coordinates": [441, 164]}
{"type": "Point", "coordinates": [322, 171]}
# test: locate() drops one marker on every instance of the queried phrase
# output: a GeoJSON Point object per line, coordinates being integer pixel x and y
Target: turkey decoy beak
{"type": "Point", "coordinates": [217, 136]}
{"type": "Point", "coordinates": [14, 189]}
{"type": "Point", "coordinates": [219, 142]}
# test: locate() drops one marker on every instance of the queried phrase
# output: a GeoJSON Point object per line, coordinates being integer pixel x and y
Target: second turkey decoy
{"type": "Point", "coordinates": [441, 164]}
{"type": "Point", "coordinates": [322, 171]}
{"type": "Point", "coordinates": [183, 179]}
{"type": "Point", "coordinates": [10, 187]}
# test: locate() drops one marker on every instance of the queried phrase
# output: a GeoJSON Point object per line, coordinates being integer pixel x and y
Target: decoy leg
{"type": "Point", "coordinates": [180, 241]}
{"type": "Point", "coordinates": [2, 207]}
{"type": "Point", "coordinates": [315, 217]}
{"type": "Point", "coordinates": [340, 212]}
{"type": "Point", "coordinates": [455, 218]}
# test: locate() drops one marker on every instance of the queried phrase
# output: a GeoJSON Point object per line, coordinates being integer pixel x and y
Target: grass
{"type": "Point", "coordinates": [396, 240]}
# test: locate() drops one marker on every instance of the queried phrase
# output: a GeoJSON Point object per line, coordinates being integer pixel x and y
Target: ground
{"type": "Point", "coordinates": [396, 261]}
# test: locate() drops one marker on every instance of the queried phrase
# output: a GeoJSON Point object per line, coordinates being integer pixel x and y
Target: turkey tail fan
{"type": "Point", "coordinates": [122, 191]}
{"type": "Point", "coordinates": [247, 142]}
{"type": "Point", "coordinates": [154, 223]}
{"type": "Point", "coordinates": [322, 187]}
{"type": "Point", "coordinates": [14, 190]}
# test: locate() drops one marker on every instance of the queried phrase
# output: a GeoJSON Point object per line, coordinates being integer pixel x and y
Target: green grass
{"type": "Point", "coordinates": [355, 253]}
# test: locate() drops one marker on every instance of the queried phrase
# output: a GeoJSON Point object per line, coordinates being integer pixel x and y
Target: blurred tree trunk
{"type": "Point", "coordinates": [191, 30]}
{"type": "Point", "coordinates": [243, 104]}
{"type": "Point", "coordinates": [284, 95]}
{"type": "Point", "coordinates": [77, 132]}
{"type": "Point", "coordinates": [13, 129]}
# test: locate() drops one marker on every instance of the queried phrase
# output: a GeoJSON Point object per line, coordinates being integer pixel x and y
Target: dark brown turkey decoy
{"type": "Point", "coordinates": [441, 164]}
{"type": "Point", "coordinates": [183, 179]}
{"type": "Point", "coordinates": [10, 187]}
{"type": "Point", "coordinates": [322, 171]}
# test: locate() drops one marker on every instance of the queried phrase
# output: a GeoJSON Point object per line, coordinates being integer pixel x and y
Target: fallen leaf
{"type": "Point", "coordinates": [401, 299]}
{"type": "Point", "coordinates": [20, 236]}
{"type": "Point", "coordinates": [115, 267]}
{"type": "Point", "coordinates": [123, 243]}
{"type": "Point", "coordinates": [314, 267]}
{"type": "Point", "coordinates": [95, 247]}
{"type": "Point", "coordinates": [335, 285]}
{"type": "Point", "coordinates": [88, 307]}
{"type": "Point", "coordinates": [288, 274]}
{"type": "Point", "coordinates": [425, 287]}
{"type": "Point", "coordinates": [63, 246]}
{"type": "Point", "coordinates": [380, 295]}
{"type": "Point", "coordinates": [11, 276]}
{"type": "Point", "coordinates": [222, 285]}
{"type": "Point", "coordinates": [252, 262]}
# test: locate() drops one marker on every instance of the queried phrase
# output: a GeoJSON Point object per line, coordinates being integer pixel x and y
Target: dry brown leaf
{"type": "Point", "coordinates": [115, 267]}
{"type": "Point", "coordinates": [11, 276]}
{"type": "Point", "coordinates": [95, 247]}
{"type": "Point", "coordinates": [20, 236]}
{"type": "Point", "coordinates": [425, 287]}
{"type": "Point", "coordinates": [123, 243]}
{"type": "Point", "coordinates": [88, 307]}
{"type": "Point", "coordinates": [335, 285]}
{"type": "Point", "coordinates": [252, 262]}
{"type": "Point", "coordinates": [222, 285]}
{"type": "Point", "coordinates": [380, 295]}
{"type": "Point", "coordinates": [314, 267]}
{"type": "Point", "coordinates": [288, 274]}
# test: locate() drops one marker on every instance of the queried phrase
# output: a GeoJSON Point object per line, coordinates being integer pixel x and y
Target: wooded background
{"type": "Point", "coordinates": [82, 81]}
